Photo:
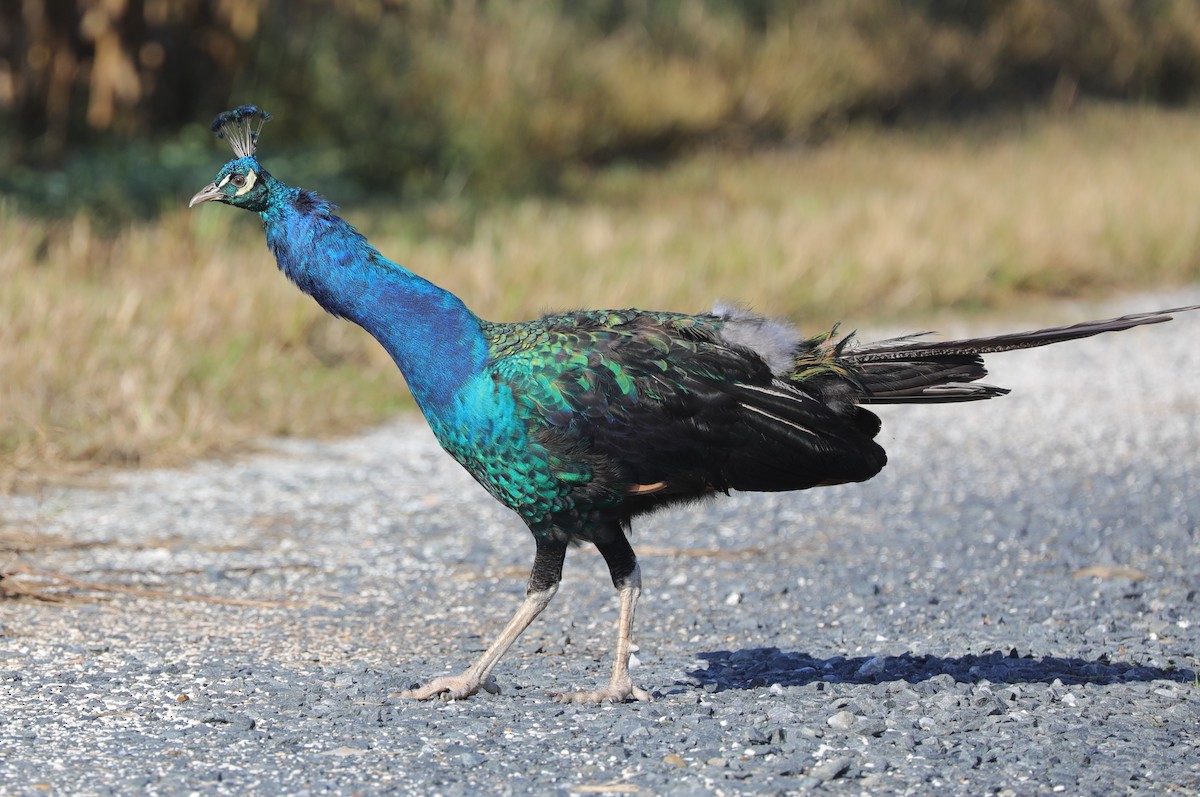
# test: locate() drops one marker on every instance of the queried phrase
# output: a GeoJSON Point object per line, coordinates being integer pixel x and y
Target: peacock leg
{"type": "Point", "coordinates": [627, 578]}
{"type": "Point", "coordinates": [543, 583]}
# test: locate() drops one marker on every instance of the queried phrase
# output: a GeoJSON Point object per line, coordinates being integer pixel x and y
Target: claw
{"type": "Point", "coordinates": [613, 693]}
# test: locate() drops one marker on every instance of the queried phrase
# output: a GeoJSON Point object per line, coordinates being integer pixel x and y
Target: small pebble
{"type": "Point", "coordinates": [841, 720]}
{"type": "Point", "coordinates": [830, 768]}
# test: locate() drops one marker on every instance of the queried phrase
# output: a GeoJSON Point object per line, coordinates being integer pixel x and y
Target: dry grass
{"type": "Point", "coordinates": [179, 338]}
{"type": "Point", "coordinates": [165, 341]}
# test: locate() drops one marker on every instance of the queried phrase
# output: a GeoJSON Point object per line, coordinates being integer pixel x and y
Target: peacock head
{"type": "Point", "coordinates": [241, 182]}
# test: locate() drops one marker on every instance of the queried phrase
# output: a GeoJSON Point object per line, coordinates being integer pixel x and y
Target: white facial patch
{"type": "Point", "coordinates": [224, 180]}
{"type": "Point", "coordinates": [251, 179]}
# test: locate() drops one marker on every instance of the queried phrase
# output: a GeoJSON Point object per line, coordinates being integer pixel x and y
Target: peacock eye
{"type": "Point", "coordinates": [238, 179]}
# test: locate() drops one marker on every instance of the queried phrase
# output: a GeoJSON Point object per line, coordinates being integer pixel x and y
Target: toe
{"type": "Point", "coordinates": [610, 694]}
{"type": "Point", "coordinates": [447, 688]}
{"type": "Point", "coordinates": [420, 693]}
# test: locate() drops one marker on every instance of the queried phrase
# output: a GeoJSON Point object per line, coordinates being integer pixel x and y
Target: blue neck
{"type": "Point", "coordinates": [434, 339]}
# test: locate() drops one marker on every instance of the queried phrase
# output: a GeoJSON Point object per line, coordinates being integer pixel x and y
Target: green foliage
{"type": "Point", "coordinates": [429, 96]}
{"type": "Point", "coordinates": [118, 181]}
{"type": "Point", "coordinates": [113, 182]}
{"type": "Point", "coordinates": [432, 98]}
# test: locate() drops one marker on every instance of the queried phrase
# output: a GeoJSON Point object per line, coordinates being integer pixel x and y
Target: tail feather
{"type": "Point", "coordinates": [908, 370]}
{"type": "Point", "coordinates": [906, 347]}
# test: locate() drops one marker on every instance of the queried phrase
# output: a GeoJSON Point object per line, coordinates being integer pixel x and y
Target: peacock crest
{"type": "Point", "coordinates": [240, 127]}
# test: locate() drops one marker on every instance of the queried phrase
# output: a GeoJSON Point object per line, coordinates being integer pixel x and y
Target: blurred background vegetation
{"type": "Point", "coordinates": [820, 158]}
{"type": "Point", "coordinates": [408, 97]}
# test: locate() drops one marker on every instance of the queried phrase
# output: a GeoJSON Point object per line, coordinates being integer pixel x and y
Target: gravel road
{"type": "Point", "coordinates": [1010, 608]}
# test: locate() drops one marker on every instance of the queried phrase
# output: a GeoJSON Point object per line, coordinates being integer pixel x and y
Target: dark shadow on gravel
{"type": "Point", "coordinates": [759, 667]}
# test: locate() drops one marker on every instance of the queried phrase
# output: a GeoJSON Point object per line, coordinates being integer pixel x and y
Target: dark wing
{"type": "Point", "coordinates": [656, 407]}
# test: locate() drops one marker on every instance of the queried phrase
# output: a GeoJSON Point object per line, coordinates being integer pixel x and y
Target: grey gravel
{"type": "Point", "coordinates": [1010, 608]}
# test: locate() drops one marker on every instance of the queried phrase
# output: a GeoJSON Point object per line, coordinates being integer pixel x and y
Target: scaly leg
{"type": "Point", "coordinates": [543, 583]}
{"type": "Point", "coordinates": [627, 578]}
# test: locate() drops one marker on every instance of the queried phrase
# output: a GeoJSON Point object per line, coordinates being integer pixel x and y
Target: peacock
{"type": "Point", "coordinates": [581, 421]}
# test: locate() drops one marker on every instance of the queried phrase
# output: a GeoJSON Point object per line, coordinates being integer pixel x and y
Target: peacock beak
{"type": "Point", "coordinates": [206, 194]}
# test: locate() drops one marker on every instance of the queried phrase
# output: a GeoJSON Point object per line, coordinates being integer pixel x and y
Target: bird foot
{"type": "Point", "coordinates": [613, 693]}
{"type": "Point", "coordinates": [450, 687]}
